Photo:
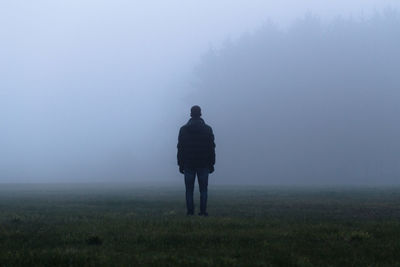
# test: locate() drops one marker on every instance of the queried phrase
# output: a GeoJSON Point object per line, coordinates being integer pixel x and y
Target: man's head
{"type": "Point", "coordinates": [195, 112]}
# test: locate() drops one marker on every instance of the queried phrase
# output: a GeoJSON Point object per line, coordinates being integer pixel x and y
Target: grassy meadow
{"type": "Point", "coordinates": [127, 225]}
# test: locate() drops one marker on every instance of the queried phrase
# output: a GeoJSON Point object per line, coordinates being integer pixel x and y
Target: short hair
{"type": "Point", "coordinates": [195, 112]}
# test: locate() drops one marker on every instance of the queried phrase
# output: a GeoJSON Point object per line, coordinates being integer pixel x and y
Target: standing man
{"type": "Point", "coordinates": [196, 156]}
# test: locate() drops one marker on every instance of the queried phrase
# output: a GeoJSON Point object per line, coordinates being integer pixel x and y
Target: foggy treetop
{"type": "Point", "coordinates": [316, 103]}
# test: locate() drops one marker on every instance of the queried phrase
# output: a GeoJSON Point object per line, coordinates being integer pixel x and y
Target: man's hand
{"type": "Point", "coordinates": [211, 169]}
{"type": "Point", "coordinates": [181, 169]}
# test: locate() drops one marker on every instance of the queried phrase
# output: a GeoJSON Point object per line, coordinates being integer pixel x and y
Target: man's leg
{"type": "Point", "coordinates": [189, 184]}
{"type": "Point", "coordinates": [202, 174]}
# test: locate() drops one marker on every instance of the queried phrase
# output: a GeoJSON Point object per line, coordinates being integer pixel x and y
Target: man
{"type": "Point", "coordinates": [196, 156]}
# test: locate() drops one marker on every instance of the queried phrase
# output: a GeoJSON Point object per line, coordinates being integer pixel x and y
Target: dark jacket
{"type": "Point", "coordinates": [196, 147]}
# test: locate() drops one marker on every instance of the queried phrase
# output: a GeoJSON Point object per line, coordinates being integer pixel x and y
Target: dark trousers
{"type": "Point", "coordinates": [202, 177]}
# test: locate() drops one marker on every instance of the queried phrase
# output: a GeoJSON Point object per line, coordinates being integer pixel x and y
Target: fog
{"type": "Point", "coordinates": [297, 92]}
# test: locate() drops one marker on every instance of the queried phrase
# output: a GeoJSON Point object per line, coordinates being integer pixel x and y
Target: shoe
{"type": "Point", "coordinates": [189, 214]}
{"type": "Point", "coordinates": [205, 214]}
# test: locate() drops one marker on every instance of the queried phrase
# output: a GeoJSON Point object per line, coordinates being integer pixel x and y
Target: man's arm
{"type": "Point", "coordinates": [180, 150]}
{"type": "Point", "coordinates": [212, 148]}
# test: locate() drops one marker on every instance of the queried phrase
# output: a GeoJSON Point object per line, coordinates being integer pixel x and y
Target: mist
{"type": "Point", "coordinates": [297, 93]}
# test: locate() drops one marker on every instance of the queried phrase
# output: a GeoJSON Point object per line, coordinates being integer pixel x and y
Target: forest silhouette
{"type": "Point", "coordinates": [314, 103]}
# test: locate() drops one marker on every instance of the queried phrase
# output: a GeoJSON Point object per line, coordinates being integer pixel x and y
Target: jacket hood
{"type": "Point", "coordinates": [195, 124]}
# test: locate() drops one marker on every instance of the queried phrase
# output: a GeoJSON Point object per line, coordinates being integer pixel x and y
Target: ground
{"type": "Point", "coordinates": [110, 225]}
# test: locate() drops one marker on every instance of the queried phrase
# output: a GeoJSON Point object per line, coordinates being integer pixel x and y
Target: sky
{"type": "Point", "coordinates": [97, 90]}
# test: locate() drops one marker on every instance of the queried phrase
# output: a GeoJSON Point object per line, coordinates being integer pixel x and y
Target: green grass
{"type": "Point", "coordinates": [83, 225]}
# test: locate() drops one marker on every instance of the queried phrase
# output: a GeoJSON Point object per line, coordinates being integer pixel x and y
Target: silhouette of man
{"type": "Point", "coordinates": [196, 156]}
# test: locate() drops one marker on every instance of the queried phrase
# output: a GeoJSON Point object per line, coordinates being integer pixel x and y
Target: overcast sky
{"type": "Point", "coordinates": [90, 81]}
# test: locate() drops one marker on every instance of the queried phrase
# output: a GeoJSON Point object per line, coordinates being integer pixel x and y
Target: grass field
{"type": "Point", "coordinates": [83, 225]}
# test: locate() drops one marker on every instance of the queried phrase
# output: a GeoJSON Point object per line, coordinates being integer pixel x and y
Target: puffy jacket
{"type": "Point", "coordinates": [196, 147]}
